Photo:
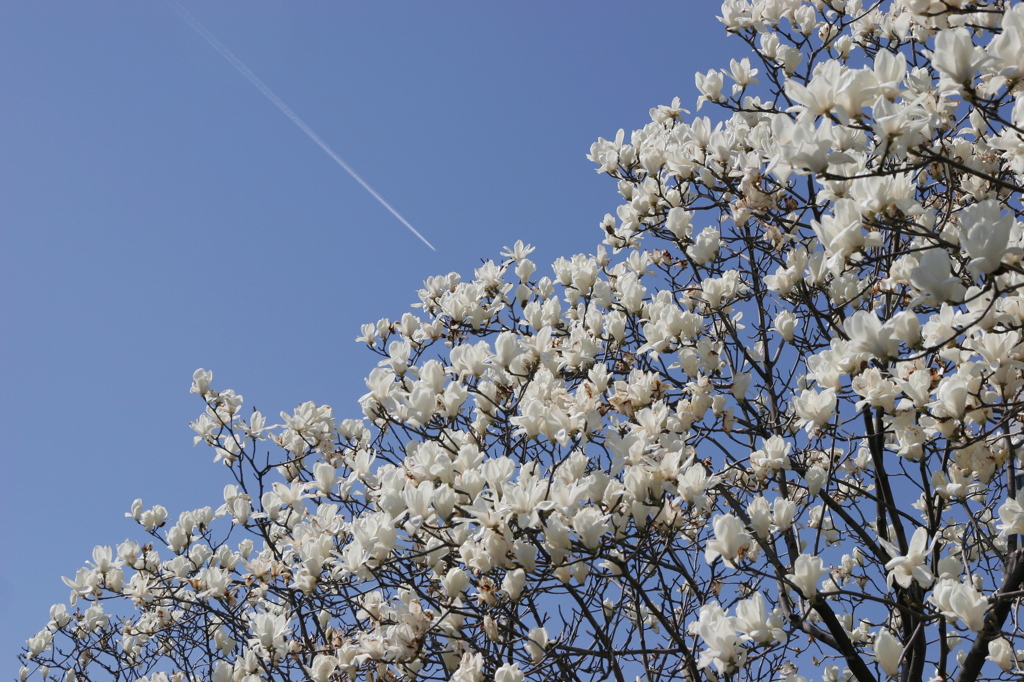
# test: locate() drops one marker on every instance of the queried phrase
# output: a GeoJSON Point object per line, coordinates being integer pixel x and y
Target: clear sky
{"type": "Point", "coordinates": [159, 214]}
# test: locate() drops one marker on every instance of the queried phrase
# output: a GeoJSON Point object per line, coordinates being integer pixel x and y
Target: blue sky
{"type": "Point", "coordinates": [159, 214]}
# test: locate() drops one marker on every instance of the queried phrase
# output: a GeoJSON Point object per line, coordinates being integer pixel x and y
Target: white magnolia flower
{"type": "Point", "coordinates": [958, 600]}
{"type": "Point", "coordinates": [754, 621]}
{"type": "Point", "coordinates": [322, 669]}
{"type": "Point", "coordinates": [956, 58]}
{"type": "Point", "coordinates": [471, 668]}
{"type": "Point", "coordinates": [951, 397]}
{"type": "Point", "coordinates": [1000, 652]}
{"type": "Point", "coordinates": [904, 570]}
{"type": "Point", "coordinates": [888, 651]}
{"type": "Point", "coordinates": [269, 631]}
{"type": "Point", "coordinates": [1011, 518]}
{"type": "Point", "coordinates": [536, 643]}
{"type": "Point", "coordinates": [933, 277]}
{"type": "Point", "coordinates": [222, 672]}
{"type": "Point", "coordinates": [985, 233]}
{"type": "Point", "coordinates": [868, 335]}
{"type": "Point", "coordinates": [814, 408]}
{"type": "Point", "coordinates": [513, 583]}
{"type": "Point", "coordinates": [721, 640]}
{"type": "Point", "coordinates": [731, 540]}
{"type": "Point", "coordinates": [807, 572]}
{"type": "Point", "coordinates": [590, 524]}
{"type": "Point", "coordinates": [710, 86]}
{"type": "Point", "coordinates": [786, 324]}
{"type": "Point", "coordinates": [509, 672]}
{"type": "Point", "coordinates": [773, 455]}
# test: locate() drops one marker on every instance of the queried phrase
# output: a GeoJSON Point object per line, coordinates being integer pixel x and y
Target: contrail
{"type": "Point", "coordinates": [286, 110]}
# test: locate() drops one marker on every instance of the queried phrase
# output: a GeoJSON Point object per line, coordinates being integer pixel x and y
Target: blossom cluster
{"type": "Point", "coordinates": [769, 427]}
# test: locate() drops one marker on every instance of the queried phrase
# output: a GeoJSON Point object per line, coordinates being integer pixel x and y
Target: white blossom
{"type": "Point", "coordinates": [807, 572]}
{"type": "Point", "coordinates": [796, 353]}
{"type": "Point", "coordinates": [888, 651]}
{"type": "Point", "coordinates": [913, 567]}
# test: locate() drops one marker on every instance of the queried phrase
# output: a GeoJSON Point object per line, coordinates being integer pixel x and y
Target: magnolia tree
{"type": "Point", "coordinates": [767, 431]}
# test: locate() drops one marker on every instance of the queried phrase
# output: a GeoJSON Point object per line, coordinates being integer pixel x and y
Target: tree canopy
{"type": "Point", "coordinates": [768, 429]}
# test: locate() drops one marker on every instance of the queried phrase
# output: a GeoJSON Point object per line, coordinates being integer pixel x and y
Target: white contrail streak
{"type": "Point", "coordinates": [286, 110]}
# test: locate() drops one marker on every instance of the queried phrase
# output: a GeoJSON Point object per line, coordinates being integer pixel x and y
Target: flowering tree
{"type": "Point", "coordinates": [768, 431]}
